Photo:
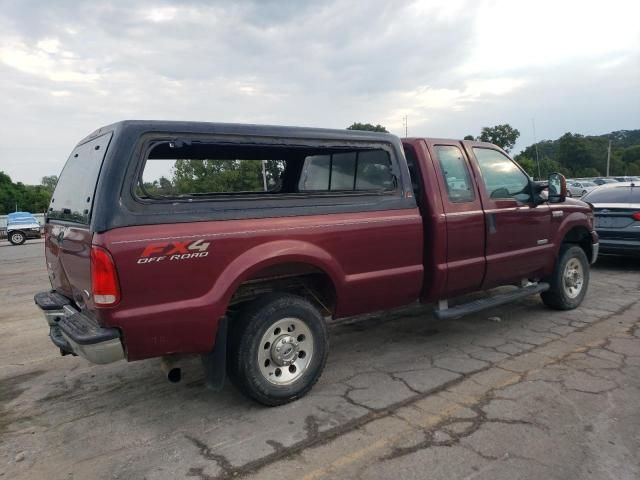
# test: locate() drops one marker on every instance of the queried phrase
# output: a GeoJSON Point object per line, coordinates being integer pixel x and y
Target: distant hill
{"type": "Point", "coordinates": [577, 155]}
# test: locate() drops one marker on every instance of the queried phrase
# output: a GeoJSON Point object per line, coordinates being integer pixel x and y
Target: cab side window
{"type": "Point", "coordinates": [502, 177]}
{"type": "Point", "coordinates": [455, 172]}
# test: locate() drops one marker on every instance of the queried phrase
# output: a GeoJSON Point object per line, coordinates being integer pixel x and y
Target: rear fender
{"type": "Point", "coordinates": [262, 256]}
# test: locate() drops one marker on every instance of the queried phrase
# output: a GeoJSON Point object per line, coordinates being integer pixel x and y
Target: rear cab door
{"type": "Point", "coordinates": [465, 222]}
{"type": "Point", "coordinates": [518, 232]}
{"type": "Point", "coordinates": [68, 235]}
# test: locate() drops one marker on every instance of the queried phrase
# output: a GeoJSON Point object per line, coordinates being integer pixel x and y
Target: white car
{"type": "Point", "coordinates": [579, 188]}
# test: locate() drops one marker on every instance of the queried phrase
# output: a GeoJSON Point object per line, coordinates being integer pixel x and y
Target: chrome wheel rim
{"type": "Point", "coordinates": [573, 278]}
{"type": "Point", "coordinates": [285, 351]}
{"type": "Point", "coordinates": [17, 237]}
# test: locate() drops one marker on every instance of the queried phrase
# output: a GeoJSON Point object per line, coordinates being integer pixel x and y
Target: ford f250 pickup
{"type": "Point", "coordinates": [239, 242]}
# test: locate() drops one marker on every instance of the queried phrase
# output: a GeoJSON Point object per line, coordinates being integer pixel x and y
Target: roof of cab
{"type": "Point", "coordinates": [237, 128]}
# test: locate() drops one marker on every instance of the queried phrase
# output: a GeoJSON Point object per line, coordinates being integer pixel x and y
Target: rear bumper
{"type": "Point", "coordinates": [73, 332]}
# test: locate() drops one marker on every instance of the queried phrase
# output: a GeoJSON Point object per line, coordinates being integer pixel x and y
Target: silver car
{"type": "Point", "coordinates": [578, 188]}
{"type": "Point", "coordinates": [616, 207]}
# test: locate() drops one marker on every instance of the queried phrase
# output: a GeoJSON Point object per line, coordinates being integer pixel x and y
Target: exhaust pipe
{"type": "Point", "coordinates": [171, 367]}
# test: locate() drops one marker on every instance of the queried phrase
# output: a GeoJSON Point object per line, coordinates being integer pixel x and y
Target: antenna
{"type": "Point", "coordinates": [608, 157]}
{"type": "Point", "coordinates": [406, 126]}
{"type": "Point", "coordinates": [535, 143]}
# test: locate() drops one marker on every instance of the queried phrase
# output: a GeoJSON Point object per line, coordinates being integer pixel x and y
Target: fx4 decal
{"type": "Point", "coordinates": [172, 251]}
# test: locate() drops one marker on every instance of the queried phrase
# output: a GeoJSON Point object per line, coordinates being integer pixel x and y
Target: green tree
{"type": "Point", "coordinates": [574, 152]}
{"type": "Point", "coordinates": [504, 136]}
{"type": "Point", "coordinates": [631, 154]}
{"type": "Point", "coordinates": [633, 169]}
{"type": "Point", "coordinates": [368, 127]}
{"type": "Point", "coordinates": [528, 164]}
{"type": "Point", "coordinates": [31, 198]}
{"type": "Point", "coordinates": [587, 172]}
{"type": "Point", "coordinates": [469, 137]}
{"type": "Point", "coordinates": [222, 176]}
{"type": "Point", "coordinates": [49, 182]}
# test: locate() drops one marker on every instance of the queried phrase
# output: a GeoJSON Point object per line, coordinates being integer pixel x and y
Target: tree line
{"type": "Point", "coordinates": [576, 155]}
{"type": "Point", "coordinates": [25, 198]}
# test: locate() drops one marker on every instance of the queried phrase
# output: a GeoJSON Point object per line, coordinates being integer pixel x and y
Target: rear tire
{"type": "Point", "coordinates": [17, 238]}
{"type": "Point", "coordinates": [278, 347]}
{"type": "Point", "coordinates": [569, 281]}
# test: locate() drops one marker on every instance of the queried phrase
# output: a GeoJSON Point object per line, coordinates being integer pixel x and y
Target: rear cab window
{"type": "Point", "coordinates": [72, 199]}
{"type": "Point", "coordinates": [455, 173]}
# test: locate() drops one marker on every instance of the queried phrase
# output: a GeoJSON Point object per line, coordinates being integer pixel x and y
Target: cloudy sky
{"type": "Point", "coordinates": [451, 66]}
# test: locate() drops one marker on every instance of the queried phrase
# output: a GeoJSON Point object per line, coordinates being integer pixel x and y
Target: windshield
{"type": "Point", "coordinates": [588, 184]}
{"type": "Point", "coordinates": [73, 197]}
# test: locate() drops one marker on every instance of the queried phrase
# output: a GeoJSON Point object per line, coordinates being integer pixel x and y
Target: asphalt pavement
{"type": "Point", "coordinates": [520, 391]}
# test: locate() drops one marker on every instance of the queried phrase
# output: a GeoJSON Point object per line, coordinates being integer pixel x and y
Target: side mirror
{"type": "Point", "coordinates": [557, 188]}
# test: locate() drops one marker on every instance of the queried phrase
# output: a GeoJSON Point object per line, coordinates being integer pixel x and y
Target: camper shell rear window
{"type": "Point", "coordinates": [72, 198]}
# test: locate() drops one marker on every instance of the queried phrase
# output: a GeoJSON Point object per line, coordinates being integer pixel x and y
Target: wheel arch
{"type": "Point", "coordinates": [274, 263]}
{"type": "Point", "coordinates": [579, 235]}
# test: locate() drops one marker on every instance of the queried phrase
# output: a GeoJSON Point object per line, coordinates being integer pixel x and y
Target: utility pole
{"type": "Point", "coordinates": [535, 143]}
{"type": "Point", "coordinates": [264, 176]}
{"type": "Point", "coordinates": [608, 157]}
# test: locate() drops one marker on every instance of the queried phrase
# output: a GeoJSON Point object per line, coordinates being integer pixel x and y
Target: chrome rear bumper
{"type": "Point", "coordinates": [73, 332]}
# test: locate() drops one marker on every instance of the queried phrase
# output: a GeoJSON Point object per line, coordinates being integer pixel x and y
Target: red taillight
{"type": "Point", "coordinates": [104, 278]}
{"type": "Point", "coordinates": [636, 216]}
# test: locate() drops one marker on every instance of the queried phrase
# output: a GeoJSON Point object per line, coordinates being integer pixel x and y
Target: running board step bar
{"type": "Point", "coordinates": [484, 303]}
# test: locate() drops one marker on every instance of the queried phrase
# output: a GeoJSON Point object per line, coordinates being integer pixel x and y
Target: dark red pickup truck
{"type": "Point", "coordinates": [238, 242]}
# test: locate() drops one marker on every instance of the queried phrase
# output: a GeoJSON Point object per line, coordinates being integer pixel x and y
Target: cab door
{"type": "Point", "coordinates": [518, 243]}
{"type": "Point", "coordinates": [465, 221]}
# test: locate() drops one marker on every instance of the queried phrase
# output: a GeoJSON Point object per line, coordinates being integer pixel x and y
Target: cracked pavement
{"type": "Point", "coordinates": [515, 392]}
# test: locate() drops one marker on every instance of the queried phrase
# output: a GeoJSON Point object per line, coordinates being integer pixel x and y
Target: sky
{"type": "Point", "coordinates": [451, 67]}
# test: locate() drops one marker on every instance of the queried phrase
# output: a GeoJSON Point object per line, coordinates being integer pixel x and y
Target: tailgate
{"type": "Point", "coordinates": [68, 234]}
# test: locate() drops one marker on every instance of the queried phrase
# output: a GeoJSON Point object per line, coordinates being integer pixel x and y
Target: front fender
{"type": "Point", "coordinates": [574, 220]}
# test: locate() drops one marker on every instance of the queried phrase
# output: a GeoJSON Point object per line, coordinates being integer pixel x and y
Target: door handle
{"type": "Point", "coordinates": [491, 222]}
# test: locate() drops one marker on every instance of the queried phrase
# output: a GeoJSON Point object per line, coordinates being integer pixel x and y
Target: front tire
{"type": "Point", "coordinates": [17, 238]}
{"type": "Point", "coordinates": [278, 347]}
{"type": "Point", "coordinates": [569, 281]}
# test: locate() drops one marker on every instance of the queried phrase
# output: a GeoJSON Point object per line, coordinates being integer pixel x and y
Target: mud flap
{"type": "Point", "coordinates": [215, 362]}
